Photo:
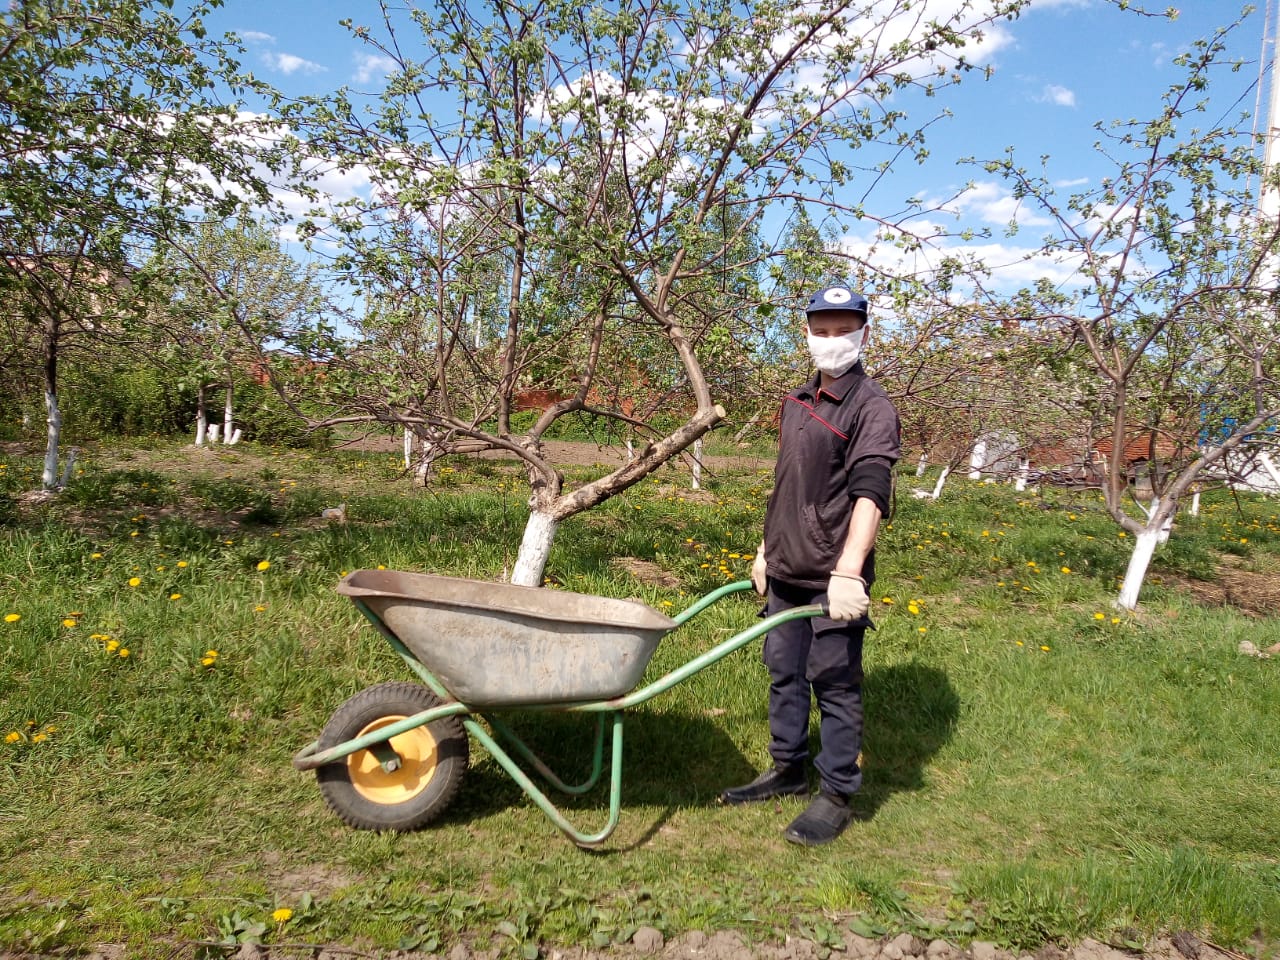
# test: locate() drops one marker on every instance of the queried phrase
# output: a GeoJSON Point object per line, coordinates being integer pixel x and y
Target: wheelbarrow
{"type": "Point", "coordinates": [393, 756]}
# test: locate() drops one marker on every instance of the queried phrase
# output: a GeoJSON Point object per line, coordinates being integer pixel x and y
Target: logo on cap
{"type": "Point", "coordinates": [837, 295]}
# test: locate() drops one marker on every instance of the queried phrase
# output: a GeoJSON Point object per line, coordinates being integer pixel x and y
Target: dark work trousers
{"type": "Point", "coordinates": [823, 656]}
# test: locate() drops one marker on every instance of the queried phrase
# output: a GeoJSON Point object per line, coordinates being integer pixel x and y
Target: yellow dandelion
{"type": "Point", "coordinates": [207, 661]}
{"type": "Point", "coordinates": [182, 563]}
{"type": "Point", "coordinates": [264, 564]}
{"type": "Point", "coordinates": [382, 566]}
{"type": "Point", "coordinates": [1066, 569]}
{"type": "Point", "coordinates": [1018, 642]}
{"type": "Point", "coordinates": [888, 600]}
{"type": "Point", "coordinates": [259, 608]}
{"type": "Point", "coordinates": [12, 617]}
{"type": "Point", "coordinates": [39, 738]}
{"type": "Point", "coordinates": [1044, 648]}
{"type": "Point", "coordinates": [1000, 583]}
{"type": "Point", "coordinates": [1115, 619]}
{"type": "Point", "coordinates": [134, 581]}
{"type": "Point", "coordinates": [282, 915]}
{"type": "Point", "coordinates": [13, 736]}
{"type": "Point", "coordinates": [68, 622]}
{"type": "Point", "coordinates": [913, 608]}
{"type": "Point", "coordinates": [175, 596]}
{"type": "Point", "coordinates": [133, 533]}
{"type": "Point", "coordinates": [1244, 539]}
{"type": "Point", "coordinates": [124, 651]}
{"type": "Point", "coordinates": [1099, 616]}
{"type": "Point", "coordinates": [986, 533]}
{"type": "Point", "coordinates": [924, 629]}
{"type": "Point", "coordinates": [95, 556]}
{"type": "Point", "coordinates": [1122, 534]}
{"type": "Point", "coordinates": [112, 646]}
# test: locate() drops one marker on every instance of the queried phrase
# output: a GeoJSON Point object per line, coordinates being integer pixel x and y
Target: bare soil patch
{"type": "Point", "coordinates": [581, 453]}
{"type": "Point", "coordinates": [1256, 593]}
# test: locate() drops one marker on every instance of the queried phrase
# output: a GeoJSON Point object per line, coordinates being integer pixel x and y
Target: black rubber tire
{"type": "Point", "coordinates": [434, 781]}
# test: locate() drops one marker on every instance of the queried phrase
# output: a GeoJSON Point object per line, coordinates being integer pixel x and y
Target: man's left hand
{"type": "Point", "coordinates": [847, 597]}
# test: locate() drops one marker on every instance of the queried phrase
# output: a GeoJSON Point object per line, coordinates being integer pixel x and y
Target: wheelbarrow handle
{"type": "Point", "coordinates": [736, 587]}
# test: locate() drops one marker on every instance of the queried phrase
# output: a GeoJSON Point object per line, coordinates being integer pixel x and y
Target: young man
{"type": "Point", "coordinates": [838, 442]}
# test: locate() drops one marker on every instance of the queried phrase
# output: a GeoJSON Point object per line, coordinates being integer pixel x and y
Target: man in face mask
{"type": "Point", "coordinates": [838, 442]}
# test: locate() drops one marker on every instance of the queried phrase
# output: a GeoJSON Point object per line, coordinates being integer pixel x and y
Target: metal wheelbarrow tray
{"type": "Point", "coordinates": [393, 756]}
{"type": "Point", "coordinates": [494, 644]}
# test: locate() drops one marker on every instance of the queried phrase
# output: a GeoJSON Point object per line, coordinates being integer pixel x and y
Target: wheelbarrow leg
{"type": "Point", "coordinates": [522, 749]}
{"type": "Point", "coordinates": [544, 803]}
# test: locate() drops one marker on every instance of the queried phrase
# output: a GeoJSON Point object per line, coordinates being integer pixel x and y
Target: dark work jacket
{"type": "Point", "coordinates": [834, 444]}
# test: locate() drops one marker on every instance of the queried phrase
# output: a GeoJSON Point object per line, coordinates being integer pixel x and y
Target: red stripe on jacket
{"type": "Point", "coordinates": [813, 413]}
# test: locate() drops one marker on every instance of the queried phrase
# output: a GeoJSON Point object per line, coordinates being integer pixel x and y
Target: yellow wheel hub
{"type": "Point", "coordinates": [417, 751]}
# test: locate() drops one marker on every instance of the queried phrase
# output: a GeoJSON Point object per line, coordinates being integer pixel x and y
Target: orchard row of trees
{"type": "Point", "coordinates": [620, 205]}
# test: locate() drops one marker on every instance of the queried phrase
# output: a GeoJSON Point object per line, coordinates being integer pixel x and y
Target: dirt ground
{"type": "Point", "coordinates": [650, 944]}
{"type": "Point", "coordinates": [581, 453]}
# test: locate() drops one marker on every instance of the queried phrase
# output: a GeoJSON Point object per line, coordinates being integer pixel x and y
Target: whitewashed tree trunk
{"type": "Point", "coordinates": [535, 548]}
{"type": "Point", "coordinates": [1024, 468]}
{"type": "Point", "coordinates": [631, 450]}
{"type": "Point", "coordinates": [213, 432]}
{"type": "Point", "coordinates": [942, 478]}
{"type": "Point", "coordinates": [236, 437]}
{"type": "Point", "coordinates": [697, 464]}
{"type": "Point", "coordinates": [408, 448]}
{"type": "Point", "coordinates": [227, 434]}
{"type": "Point", "coordinates": [922, 465]}
{"type": "Point", "coordinates": [977, 459]}
{"type": "Point", "coordinates": [1144, 548]}
{"type": "Point", "coordinates": [1166, 525]}
{"type": "Point", "coordinates": [72, 453]}
{"type": "Point", "coordinates": [1166, 528]}
{"type": "Point", "coordinates": [1195, 504]}
{"type": "Point", "coordinates": [53, 422]}
{"type": "Point", "coordinates": [202, 417]}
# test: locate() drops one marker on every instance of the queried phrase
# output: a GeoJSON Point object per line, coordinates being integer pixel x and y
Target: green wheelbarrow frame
{"type": "Point", "coordinates": [610, 713]}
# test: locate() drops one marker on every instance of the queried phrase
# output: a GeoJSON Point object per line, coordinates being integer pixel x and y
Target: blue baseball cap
{"type": "Point", "coordinates": [837, 298]}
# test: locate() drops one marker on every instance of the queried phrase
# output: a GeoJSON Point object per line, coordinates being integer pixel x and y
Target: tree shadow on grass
{"type": "Point", "coordinates": [911, 712]}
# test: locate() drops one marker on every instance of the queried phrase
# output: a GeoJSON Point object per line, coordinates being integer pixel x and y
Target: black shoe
{"type": "Point", "coordinates": [822, 821]}
{"type": "Point", "coordinates": [787, 782]}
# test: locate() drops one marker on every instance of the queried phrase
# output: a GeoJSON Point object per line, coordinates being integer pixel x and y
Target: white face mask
{"type": "Point", "coordinates": [836, 355]}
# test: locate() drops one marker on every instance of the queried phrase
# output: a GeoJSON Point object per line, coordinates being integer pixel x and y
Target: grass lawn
{"type": "Point", "coordinates": [1038, 766]}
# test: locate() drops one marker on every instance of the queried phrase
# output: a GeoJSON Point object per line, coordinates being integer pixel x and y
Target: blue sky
{"type": "Point", "coordinates": [1058, 69]}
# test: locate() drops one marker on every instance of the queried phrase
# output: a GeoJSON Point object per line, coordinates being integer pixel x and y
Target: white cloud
{"type": "Point", "coordinates": [370, 65]}
{"type": "Point", "coordinates": [1008, 267]}
{"type": "Point", "coordinates": [881, 24]}
{"type": "Point", "coordinates": [990, 203]}
{"type": "Point", "coordinates": [288, 64]}
{"type": "Point", "coordinates": [256, 36]}
{"type": "Point", "coordinates": [1057, 95]}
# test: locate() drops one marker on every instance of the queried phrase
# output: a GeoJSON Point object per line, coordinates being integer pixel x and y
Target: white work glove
{"type": "Point", "coordinates": [759, 572]}
{"type": "Point", "coordinates": [847, 597]}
